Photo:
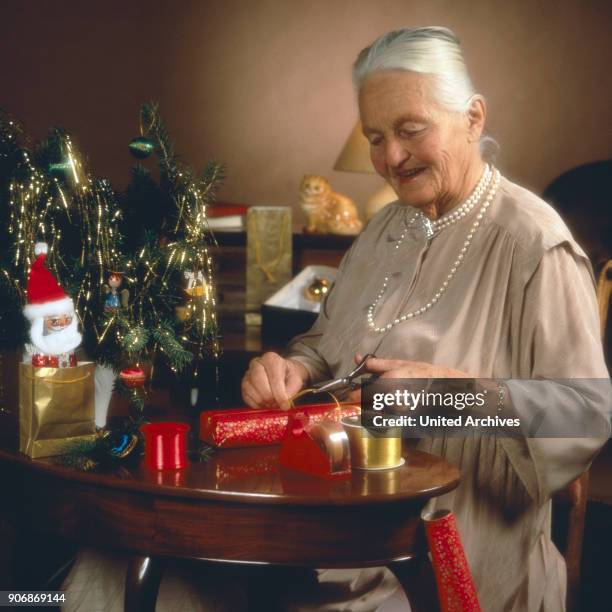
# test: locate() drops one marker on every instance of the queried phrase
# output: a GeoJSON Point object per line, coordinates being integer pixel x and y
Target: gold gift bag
{"type": "Point", "coordinates": [269, 253]}
{"type": "Point", "coordinates": [56, 407]}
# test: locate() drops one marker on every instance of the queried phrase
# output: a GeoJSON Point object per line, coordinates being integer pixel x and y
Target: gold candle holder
{"type": "Point", "coordinates": [373, 452]}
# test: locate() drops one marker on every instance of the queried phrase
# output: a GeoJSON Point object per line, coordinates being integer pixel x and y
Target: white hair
{"type": "Point", "coordinates": [434, 51]}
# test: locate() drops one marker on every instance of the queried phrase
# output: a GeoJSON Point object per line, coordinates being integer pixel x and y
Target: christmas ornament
{"type": "Point", "coordinates": [141, 147]}
{"type": "Point", "coordinates": [195, 283]}
{"type": "Point", "coordinates": [53, 324]}
{"type": "Point", "coordinates": [120, 444]}
{"type": "Point", "coordinates": [60, 169]}
{"type": "Point", "coordinates": [107, 449]}
{"type": "Point", "coordinates": [115, 299]}
{"type": "Point", "coordinates": [133, 378]}
{"type": "Point", "coordinates": [317, 289]}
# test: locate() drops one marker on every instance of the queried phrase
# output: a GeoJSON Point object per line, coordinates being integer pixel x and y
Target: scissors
{"type": "Point", "coordinates": [348, 382]}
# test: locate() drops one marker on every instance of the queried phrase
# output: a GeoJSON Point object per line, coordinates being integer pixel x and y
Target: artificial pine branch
{"type": "Point", "coordinates": [135, 339]}
{"type": "Point", "coordinates": [81, 455]}
{"type": "Point", "coordinates": [153, 127]}
{"type": "Point", "coordinates": [178, 356]}
{"type": "Point", "coordinates": [210, 179]}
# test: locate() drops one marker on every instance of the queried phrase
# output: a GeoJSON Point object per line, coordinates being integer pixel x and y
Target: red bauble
{"type": "Point", "coordinates": [133, 377]}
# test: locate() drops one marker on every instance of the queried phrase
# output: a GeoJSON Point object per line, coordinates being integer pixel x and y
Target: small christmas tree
{"type": "Point", "coordinates": [138, 265]}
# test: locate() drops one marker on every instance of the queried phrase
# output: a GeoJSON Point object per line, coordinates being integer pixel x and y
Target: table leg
{"type": "Point", "coordinates": [419, 582]}
{"type": "Point", "coordinates": [142, 581]}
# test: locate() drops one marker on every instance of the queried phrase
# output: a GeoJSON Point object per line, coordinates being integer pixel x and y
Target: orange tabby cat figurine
{"type": "Point", "coordinates": [327, 212]}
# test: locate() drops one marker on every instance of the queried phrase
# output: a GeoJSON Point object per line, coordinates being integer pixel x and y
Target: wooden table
{"type": "Point", "coordinates": [237, 507]}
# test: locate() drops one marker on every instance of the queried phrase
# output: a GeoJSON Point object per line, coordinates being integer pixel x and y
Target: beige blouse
{"type": "Point", "coordinates": [521, 306]}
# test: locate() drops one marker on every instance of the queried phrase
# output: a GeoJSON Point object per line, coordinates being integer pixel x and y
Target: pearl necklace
{"type": "Point", "coordinates": [492, 178]}
{"type": "Point", "coordinates": [431, 228]}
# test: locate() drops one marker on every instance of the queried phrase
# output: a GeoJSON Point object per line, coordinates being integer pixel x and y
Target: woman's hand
{"type": "Point", "coordinates": [403, 368]}
{"type": "Point", "coordinates": [271, 380]}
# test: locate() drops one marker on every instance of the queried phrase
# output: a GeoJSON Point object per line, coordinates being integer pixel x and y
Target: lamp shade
{"type": "Point", "coordinates": [355, 155]}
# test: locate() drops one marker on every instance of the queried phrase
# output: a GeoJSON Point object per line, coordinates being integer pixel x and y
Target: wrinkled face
{"type": "Point", "coordinates": [420, 148]}
{"type": "Point", "coordinates": [56, 323]}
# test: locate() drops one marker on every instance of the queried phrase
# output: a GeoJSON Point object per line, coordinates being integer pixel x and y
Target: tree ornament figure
{"type": "Point", "coordinates": [115, 299]}
{"type": "Point", "coordinates": [54, 334]}
{"type": "Point", "coordinates": [141, 147]}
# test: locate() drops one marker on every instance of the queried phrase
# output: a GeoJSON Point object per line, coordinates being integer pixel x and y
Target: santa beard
{"type": "Point", "coordinates": [56, 342]}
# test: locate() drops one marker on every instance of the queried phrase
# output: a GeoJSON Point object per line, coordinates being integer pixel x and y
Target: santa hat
{"type": "Point", "coordinates": [45, 296]}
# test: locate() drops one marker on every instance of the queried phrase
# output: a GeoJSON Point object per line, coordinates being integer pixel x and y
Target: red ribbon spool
{"type": "Point", "coordinates": [165, 445]}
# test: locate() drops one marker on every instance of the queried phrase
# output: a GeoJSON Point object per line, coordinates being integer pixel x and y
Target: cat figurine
{"type": "Point", "coordinates": [327, 212]}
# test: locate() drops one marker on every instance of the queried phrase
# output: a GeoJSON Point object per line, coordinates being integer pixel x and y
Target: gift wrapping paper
{"type": "Point", "coordinates": [56, 407]}
{"type": "Point", "coordinates": [259, 427]}
{"type": "Point", "coordinates": [456, 589]}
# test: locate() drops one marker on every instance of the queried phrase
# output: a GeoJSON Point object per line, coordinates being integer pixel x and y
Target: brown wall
{"type": "Point", "coordinates": [265, 85]}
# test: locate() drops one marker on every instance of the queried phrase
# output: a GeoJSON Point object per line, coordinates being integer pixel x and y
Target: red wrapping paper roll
{"type": "Point", "coordinates": [456, 589]}
{"type": "Point", "coordinates": [240, 427]}
{"type": "Point", "coordinates": [165, 445]}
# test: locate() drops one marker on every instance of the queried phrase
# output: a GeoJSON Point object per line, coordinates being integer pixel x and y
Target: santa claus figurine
{"type": "Point", "coordinates": [54, 331]}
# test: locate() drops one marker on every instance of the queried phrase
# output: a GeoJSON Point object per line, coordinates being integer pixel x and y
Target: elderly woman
{"type": "Point", "coordinates": [466, 275]}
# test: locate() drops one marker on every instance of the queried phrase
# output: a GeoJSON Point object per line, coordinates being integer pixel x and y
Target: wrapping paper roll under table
{"type": "Point", "coordinates": [456, 589]}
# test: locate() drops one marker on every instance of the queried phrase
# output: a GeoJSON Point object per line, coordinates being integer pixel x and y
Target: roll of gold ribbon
{"type": "Point", "coordinates": [370, 452]}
